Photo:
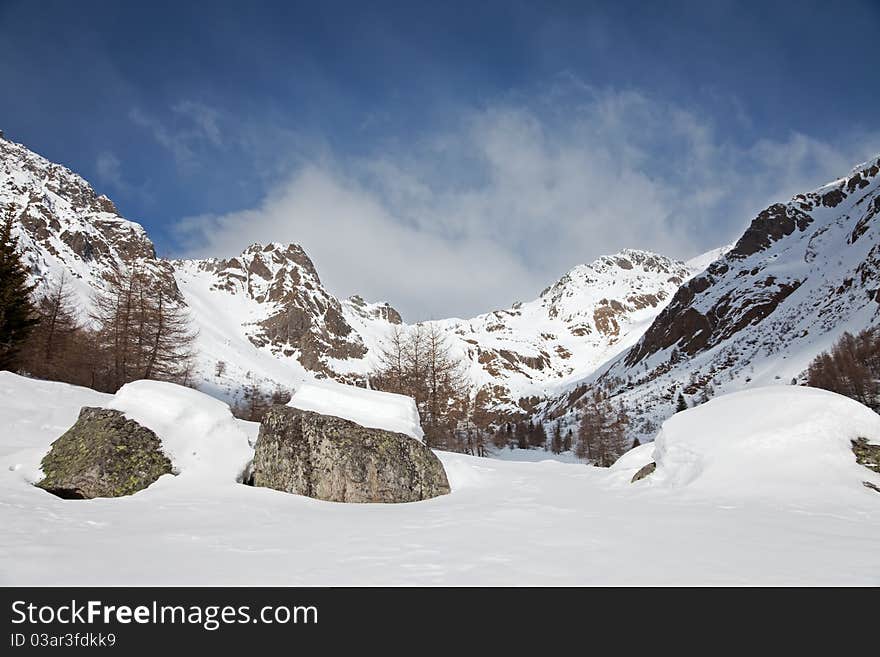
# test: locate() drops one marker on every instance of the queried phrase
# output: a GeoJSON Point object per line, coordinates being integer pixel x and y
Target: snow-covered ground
{"type": "Point", "coordinates": [504, 522]}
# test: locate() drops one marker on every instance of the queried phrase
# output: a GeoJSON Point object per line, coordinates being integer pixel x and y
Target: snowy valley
{"type": "Point", "coordinates": [707, 516]}
{"type": "Point", "coordinates": [266, 316]}
{"type": "Point", "coordinates": [755, 480]}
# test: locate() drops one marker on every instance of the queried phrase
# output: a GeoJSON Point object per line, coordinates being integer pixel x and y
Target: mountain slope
{"type": "Point", "coordinates": [801, 274]}
{"type": "Point", "coordinates": [592, 313]}
{"type": "Point", "coordinates": [64, 227]}
{"type": "Point", "coordinates": [267, 317]}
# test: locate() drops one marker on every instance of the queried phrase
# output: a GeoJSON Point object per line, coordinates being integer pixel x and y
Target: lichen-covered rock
{"type": "Point", "coordinates": [644, 472]}
{"type": "Point", "coordinates": [332, 459]}
{"type": "Point", "coordinates": [104, 454]}
{"type": "Point", "coordinates": [867, 454]}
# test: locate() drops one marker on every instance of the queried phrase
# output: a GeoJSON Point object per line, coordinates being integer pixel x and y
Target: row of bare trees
{"type": "Point", "coordinates": [135, 330]}
{"type": "Point", "coordinates": [850, 368]}
{"type": "Point", "coordinates": [417, 361]}
{"type": "Point", "coordinates": [601, 436]}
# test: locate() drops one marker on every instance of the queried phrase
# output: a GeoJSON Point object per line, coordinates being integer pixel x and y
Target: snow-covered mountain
{"type": "Point", "coordinates": [592, 313]}
{"type": "Point", "coordinates": [801, 274]}
{"type": "Point", "coordinates": [64, 226]}
{"type": "Point", "coordinates": [751, 313]}
{"type": "Point", "coordinates": [265, 317]}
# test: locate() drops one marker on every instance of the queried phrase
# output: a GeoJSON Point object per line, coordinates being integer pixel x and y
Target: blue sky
{"type": "Point", "coordinates": [448, 157]}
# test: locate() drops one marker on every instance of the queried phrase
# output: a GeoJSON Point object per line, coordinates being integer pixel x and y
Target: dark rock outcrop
{"type": "Point", "coordinates": [333, 459]}
{"type": "Point", "coordinates": [644, 472]}
{"type": "Point", "coordinates": [104, 454]}
{"type": "Point", "coordinates": [867, 455]}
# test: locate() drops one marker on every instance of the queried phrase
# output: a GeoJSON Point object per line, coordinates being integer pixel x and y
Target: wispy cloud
{"type": "Point", "coordinates": [108, 168]}
{"type": "Point", "coordinates": [494, 209]}
{"type": "Point", "coordinates": [193, 128]}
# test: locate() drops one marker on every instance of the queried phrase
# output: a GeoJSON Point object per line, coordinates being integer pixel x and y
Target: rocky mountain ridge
{"type": "Point", "coordinates": [264, 317]}
{"type": "Point", "coordinates": [802, 273]}
{"type": "Point", "coordinates": [646, 326]}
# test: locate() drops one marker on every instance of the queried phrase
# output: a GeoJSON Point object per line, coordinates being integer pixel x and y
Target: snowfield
{"type": "Point", "coordinates": [754, 488]}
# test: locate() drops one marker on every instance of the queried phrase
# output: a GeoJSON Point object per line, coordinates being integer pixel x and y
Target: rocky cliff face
{"type": "Point", "coordinates": [64, 226]}
{"type": "Point", "coordinates": [822, 245]}
{"type": "Point", "coordinates": [301, 319]}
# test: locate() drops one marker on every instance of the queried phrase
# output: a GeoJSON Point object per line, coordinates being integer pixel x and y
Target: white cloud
{"type": "Point", "coordinates": [473, 218]}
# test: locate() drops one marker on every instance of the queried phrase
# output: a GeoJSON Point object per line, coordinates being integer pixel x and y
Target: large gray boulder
{"type": "Point", "coordinates": [104, 454]}
{"type": "Point", "coordinates": [333, 459]}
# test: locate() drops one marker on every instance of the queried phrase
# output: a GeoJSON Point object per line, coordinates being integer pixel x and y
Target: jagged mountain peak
{"type": "Point", "coordinates": [605, 270]}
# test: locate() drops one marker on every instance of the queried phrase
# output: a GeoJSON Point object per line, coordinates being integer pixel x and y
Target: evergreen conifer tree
{"type": "Point", "coordinates": [681, 403]}
{"type": "Point", "coordinates": [17, 312]}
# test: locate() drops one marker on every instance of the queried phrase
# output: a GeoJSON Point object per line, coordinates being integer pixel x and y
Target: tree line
{"type": "Point", "coordinates": [134, 329]}
{"type": "Point", "coordinates": [851, 368]}
{"type": "Point", "coordinates": [417, 361]}
{"type": "Point", "coordinates": [602, 432]}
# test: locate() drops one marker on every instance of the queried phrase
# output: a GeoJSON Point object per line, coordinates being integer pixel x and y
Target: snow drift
{"type": "Point", "coordinates": [369, 408]}
{"type": "Point", "coordinates": [775, 442]}
{"type": "Point", "coordinates": [199, 433]}
{"type": "Point", "coordinates": [497, 527]}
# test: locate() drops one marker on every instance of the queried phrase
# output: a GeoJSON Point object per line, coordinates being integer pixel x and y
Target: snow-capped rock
{"type": "Point", "coordinates": [330, 458]}
{"type": "Point", "coordinates": [204, 442]}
